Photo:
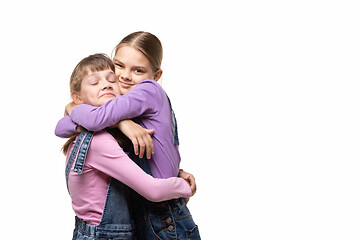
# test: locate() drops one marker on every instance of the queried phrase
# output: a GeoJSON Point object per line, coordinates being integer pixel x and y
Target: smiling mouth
{"type": "Point", "coordinates": [126, 85]}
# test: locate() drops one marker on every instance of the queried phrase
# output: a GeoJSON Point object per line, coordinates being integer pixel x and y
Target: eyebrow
{"type": "Point", "coordinates": [111, 73]}
{"type": "Point", "coordinates": [91, 77]}
{"type": "Point", "coordinates": [117, 61]}
{"type": "Point", "coordinates": [95, 74]}
{"type": "Point", "coordinates": [138, 66]}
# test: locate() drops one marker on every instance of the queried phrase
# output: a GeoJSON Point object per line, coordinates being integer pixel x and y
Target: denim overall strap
{"type": "Point", "coordinates": [176, 136]}
{"type": "Point", "coordinates": [73, 155]}
{"type": "Point", "coordinates": [80, 160]}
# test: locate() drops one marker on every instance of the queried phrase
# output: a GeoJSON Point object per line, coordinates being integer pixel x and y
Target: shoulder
{"type": "Point", "coordinates": [102, 142]}
{"type": "Point", "coordinates": [150, 86]}
{"type": "Point", "coordinates": [152, 91]}
{"type": "Point", "coordinates": [103, 152]}
{"type": "Point", "coordinates": [101, 136]}
{"type": "Point", "coordinates": [150, 83]}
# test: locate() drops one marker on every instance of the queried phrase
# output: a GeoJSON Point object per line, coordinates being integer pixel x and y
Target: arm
{"type": "Point", "coordinates": [106, 156]}
{"type": "Point", "coordinates": [65, 127]}
{"type": "Point", "coordinates": [139, 136]}
{"type": "Point", "coordinates": [140, 101]}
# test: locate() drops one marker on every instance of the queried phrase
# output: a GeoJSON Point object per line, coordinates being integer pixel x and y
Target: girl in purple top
{"type": "Point", "coordinates": [138, 67]}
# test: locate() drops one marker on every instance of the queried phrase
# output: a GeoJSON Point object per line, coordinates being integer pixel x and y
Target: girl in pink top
{"type": "Point", "coordinates": [101, 164]}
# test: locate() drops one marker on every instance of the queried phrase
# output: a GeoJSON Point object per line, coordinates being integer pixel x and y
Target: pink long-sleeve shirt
{"type": "Point", "coordinates": [105, 159]}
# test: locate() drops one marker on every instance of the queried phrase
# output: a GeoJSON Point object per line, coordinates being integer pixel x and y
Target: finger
{"type": "Point", "coordinates": [136, 146]}
{"type": "Point", "coordinates": [187, 177]}
{"type": "Point", "coordinates": [193, 189]}
{"type": "Point", "coordinates": [192, 182]}
{"type": "Point", "coordinates": [190, 177]}
{"type": "Point", "coordinates": [152, 146]}
{"type": "Point", "coordinates": [142, 147]}
{"type": "Point", "coordinates": [149, 146]}
{"type": "Point", "coordinates": [148, 151]}
{"type": "Point", "coordinates": [150, 131]}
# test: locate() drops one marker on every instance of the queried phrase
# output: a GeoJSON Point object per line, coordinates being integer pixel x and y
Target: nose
{"type": "Point", "coordinates": [125, 75]}
{"type": "Point", "coordinates": [105, 85]}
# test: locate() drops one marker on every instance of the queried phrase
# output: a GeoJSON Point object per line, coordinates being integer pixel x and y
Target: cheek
{"type": "Point", "coordinates": [89, 96]}
{"type": "Point", "coordinates": [117, 90]}
{"type": "Point", "coordinates": [117, 72]}
{"type": "Point", "coordinates": [139, 79]}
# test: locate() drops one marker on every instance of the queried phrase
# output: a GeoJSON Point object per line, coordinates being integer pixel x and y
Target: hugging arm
{"type": "Point", "coordinates": [140, 101]}
{"type": "Point", "coordinates": [110, 159]}
{"type": "Point", "coordinates": [139, 136]}
{"type": "Point", "coordinates": [65, 127]}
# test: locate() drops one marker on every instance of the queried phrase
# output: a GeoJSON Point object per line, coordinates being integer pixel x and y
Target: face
{"type": "Point", "coordinates": [132, 67]}
{"type": "Point", "coordinates": [97, 88]}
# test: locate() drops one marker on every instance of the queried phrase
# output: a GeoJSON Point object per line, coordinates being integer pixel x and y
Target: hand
{"type": "Point", "coordinates": [191, 181]}
{"type": "Point", "coordinates": [139, 136]}
{"type": "Point", "coordinates": [69, 108]}
{"type": "Point", "coordinates": [79, 128]}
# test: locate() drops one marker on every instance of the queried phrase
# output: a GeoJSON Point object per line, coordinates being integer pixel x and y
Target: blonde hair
{"type": "Point", "coordinates": [94, 63]}
{"type": "Point", "coordinates": [146, 43]}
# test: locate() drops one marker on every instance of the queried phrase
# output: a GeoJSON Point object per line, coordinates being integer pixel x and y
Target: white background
{"type": "Point", "coordinates": [266, 94]}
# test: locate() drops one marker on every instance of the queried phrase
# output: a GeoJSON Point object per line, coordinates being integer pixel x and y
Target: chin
{"type": "Point", "coordinates": [124, 91]}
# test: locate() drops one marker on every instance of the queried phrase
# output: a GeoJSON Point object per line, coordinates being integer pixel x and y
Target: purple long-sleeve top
{"type": "Point", "coordinates": [148, 105]}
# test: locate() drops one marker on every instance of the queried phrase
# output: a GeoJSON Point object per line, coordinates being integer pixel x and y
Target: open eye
{"type": "Point", "coordinates": [139, 71]}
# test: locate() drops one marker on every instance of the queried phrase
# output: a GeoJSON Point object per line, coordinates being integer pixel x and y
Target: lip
{"type": "Point", "coordinates": [107, 94]}
{"type": "Point", "coordinates": [125, 85]}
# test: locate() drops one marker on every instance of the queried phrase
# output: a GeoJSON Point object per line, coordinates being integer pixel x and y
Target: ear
{"type": "Point", "coordinates": [158, 75]}
{"type": "Point", "coordinates": [76, 98]}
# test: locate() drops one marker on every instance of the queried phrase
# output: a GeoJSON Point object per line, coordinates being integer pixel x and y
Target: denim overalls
{"type": "Point", "coordinates": [116, 221]}
{"type": "Point", "coordinates": [164, 220]}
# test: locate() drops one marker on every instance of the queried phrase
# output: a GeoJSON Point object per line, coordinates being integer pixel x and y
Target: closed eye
{"type": "Point", "coordinates": [111, 77]}
{"type": "Point", "coordinates": [119, 65]}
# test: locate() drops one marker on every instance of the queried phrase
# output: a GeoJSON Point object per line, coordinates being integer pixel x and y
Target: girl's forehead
{"type": "Point", "coordinates": [90, 73]}
{"type": "Point", "coordinates": [130, 54]}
